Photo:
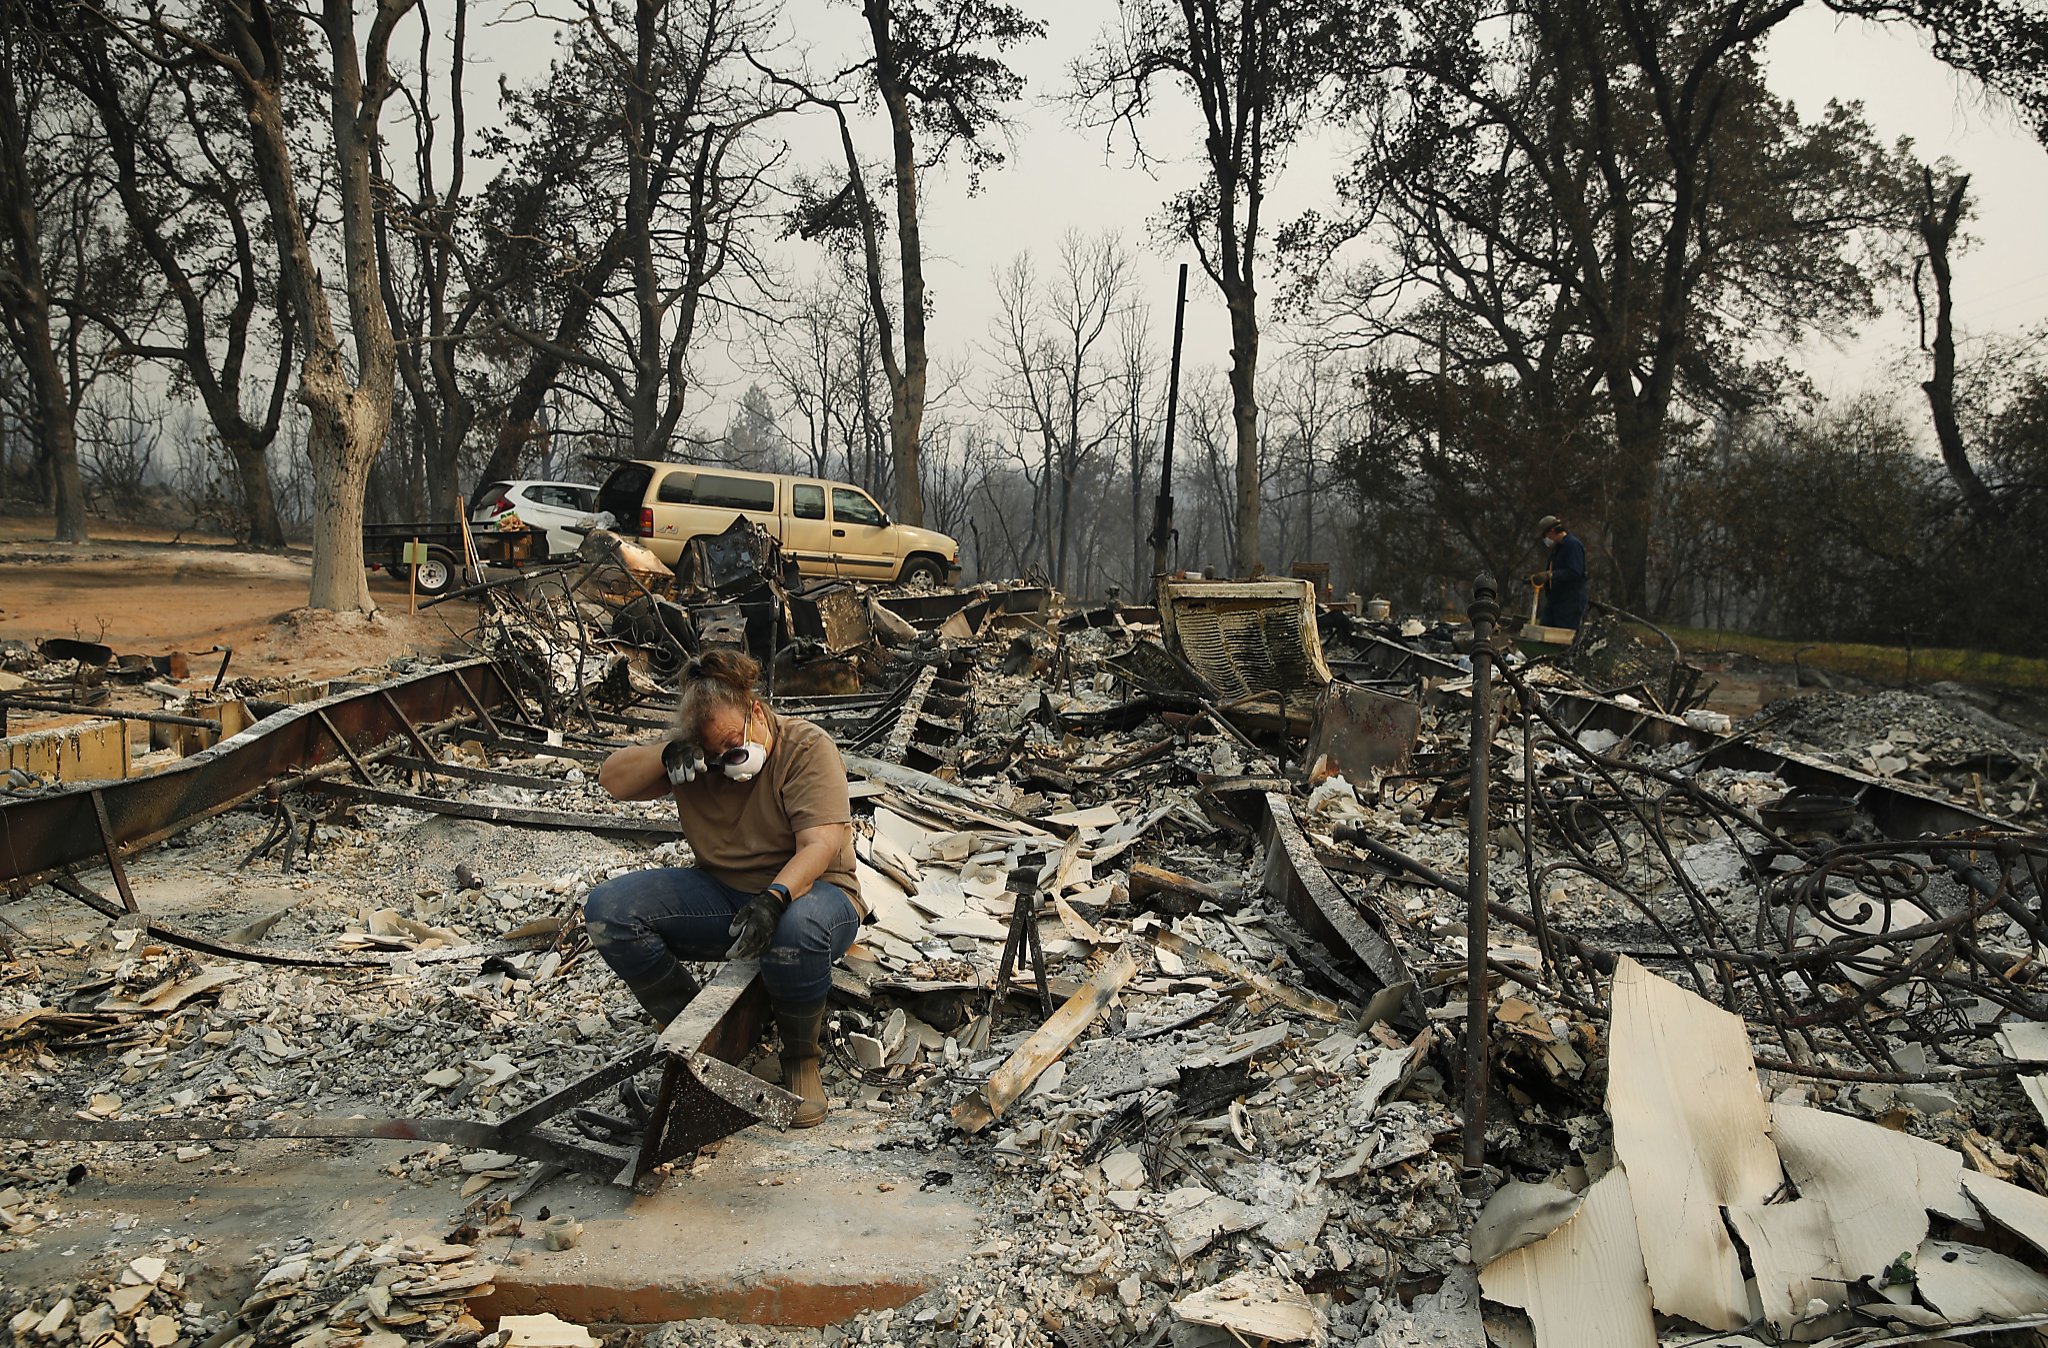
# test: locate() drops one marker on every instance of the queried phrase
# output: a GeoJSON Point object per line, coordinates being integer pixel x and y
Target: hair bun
{"type": "Point", "coordinates": [722, 664]}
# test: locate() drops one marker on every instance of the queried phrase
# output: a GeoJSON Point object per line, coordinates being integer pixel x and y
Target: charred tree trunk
{"type": "Point", "coordinates": [1244, 420]}
{"type": "Point", "coordinates": [907, 376]}
{"type": "Point", "coordinates": [1939, 219]}
{"type": "Point", "coordinates": [350, 414]}
{"type": "Point", "coordinates": [25, 300]}
{"type": "Point", "coordinates": [252, 471]}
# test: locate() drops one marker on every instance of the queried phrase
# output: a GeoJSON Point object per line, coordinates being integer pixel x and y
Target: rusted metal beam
{"type": "Point", "coordinates": [704, 1096]}
{"type": "Point", "coordinates": [214, 945]}
{"type": "Point", "coordinates": [41, 836]}
{"type": "Point", "coordinates": [1313, 899]}
{"type": "Point", "coordinates": [505, 814]}
{"type": "Point", "coordinates": [40, 706]}
{"type": "Point", "coordinates": [1478, 1018]}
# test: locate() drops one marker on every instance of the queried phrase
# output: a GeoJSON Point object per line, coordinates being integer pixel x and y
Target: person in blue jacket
{"type": "Point", "coordinates": [1564, 581]}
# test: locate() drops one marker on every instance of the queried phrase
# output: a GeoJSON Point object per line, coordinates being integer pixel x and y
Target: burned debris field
{"type": "Point", "coordinates": [1162, 1030]}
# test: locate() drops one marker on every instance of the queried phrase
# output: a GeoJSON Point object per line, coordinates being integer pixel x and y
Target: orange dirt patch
{"type": "Point", "coordinates": [151, 598]}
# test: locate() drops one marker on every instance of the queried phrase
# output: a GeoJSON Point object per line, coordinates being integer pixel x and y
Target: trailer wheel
{"type": "Point", "coordinates": [436, 574]}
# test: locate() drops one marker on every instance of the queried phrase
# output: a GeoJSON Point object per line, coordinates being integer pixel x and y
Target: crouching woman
{"type": "Point", "coordinates": [763, 803]}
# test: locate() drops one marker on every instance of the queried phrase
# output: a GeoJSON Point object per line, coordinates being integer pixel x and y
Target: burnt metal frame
{"type": "Point", "coordinates": [703, 1094]}
{"type": "Point", "coordinates": [42, 836]}
{"type": "Point", "coordinates": [1313, 899]}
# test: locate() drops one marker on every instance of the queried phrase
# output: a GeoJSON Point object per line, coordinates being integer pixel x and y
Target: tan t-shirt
{"type": "Point", "coordinates": [745, 832]}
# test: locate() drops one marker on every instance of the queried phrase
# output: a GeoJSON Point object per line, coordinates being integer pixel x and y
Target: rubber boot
{"type": "Point", "coordinates": [800, 1026]}
{"type": "Point", "coordinates": [665, 997]}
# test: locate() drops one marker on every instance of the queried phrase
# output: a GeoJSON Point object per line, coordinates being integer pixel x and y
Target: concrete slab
{"type": "Point", "coordinates": [800, 1228]}
{"type": "Point", "coordinates": [130, 1200]}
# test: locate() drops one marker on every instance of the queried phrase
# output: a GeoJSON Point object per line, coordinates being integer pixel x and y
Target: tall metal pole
{"type": "Point", "coordinates": [1485, 610]}
{"type": "Point", "coordinates": [1162, 508]}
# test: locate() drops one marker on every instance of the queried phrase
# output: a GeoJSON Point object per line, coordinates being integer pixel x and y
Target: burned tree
{"type": "Point", "coordinates": [1056, 338]}
{"type": "Point", "coordinates": [628, 218]}
{"type": "Point", "coordinates": [1605, 216]}
{"type": "Point", "coordinates": [346, 375]}
{"type": "Point", "coordinates": [1942, 208]}
{"type": "Point", "coordinates": [431, 315]}
{"type": "Point", "coordinates": [1256, 68]}
{"type": "Point", "coordinates": [192, 208]}
{"type": "Point", "coordinates": [25, 279]}
{"type": "Point", "coordinates": [940, 77]}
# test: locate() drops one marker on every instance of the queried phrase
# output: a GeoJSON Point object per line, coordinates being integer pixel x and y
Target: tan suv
{"type": "Point", "coordinates": [830, 529]}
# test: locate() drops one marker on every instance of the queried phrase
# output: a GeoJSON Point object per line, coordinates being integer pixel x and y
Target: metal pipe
{"type": "Point", "coordinates": [1162, 507]}
{"type": "Point", "coordinates": [1485, 609]}
{"type": "Point", "coordinates": [31, 704]}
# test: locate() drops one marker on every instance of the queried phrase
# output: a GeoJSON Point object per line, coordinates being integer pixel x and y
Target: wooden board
{"type": "Point", "coordinates": [1045, 1047]}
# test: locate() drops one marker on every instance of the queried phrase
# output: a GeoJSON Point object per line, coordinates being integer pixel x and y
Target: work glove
{"type": "Point", "coordinates": [754, 926]}
{"type": "Point", "coordinates": [683, 761]}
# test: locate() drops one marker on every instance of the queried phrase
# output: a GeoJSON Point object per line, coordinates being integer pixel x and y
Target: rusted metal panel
{"type": "Point", "coordinates": [1360, 731]}
{"type": "Point", "coordinates": [42, 835]}
{"type": "Point", "coordinates": [1312, 898]}
{"type": "Point", "coordinates": [1898, 811]}
{"type": "Point", "coordinates": [1247, 638]}
{"type": "Point", "coordinates": [704, 1096]}
{"type": "Point", "coordinates": [92, 751]}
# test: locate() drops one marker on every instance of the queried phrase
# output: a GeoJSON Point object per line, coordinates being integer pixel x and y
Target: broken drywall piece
{"type": "Point", "coordinates": [1099, 817]}
{"type": "Point", "coordinates": [1519, 1215]}
{"type": "Point", "coordinates": [2020, 1211]}
{"type": "Point", "coordinates": [1191, 1218]}
{"type": "Point", "coordinates": [1965, 1283]}
{"type": "Point", "coordinates": [1583, 1285]}
{"type": "Point", "coordinates": [1878, 1185]}
{"type": "Point", "coordinates": [1792, 1248]}
{"type": "Point", "coordinates": [1693, 1134]}
{"type": "Point", "coordinates": [1255, 1307]}
{"type": "Point", "coordinates": [1077, 926]}
{"type": "Point", "coordinates": [2023, 1040]}
{"type": "Point", "coordinates": [544, 1331]}
{"type": "Point", "coordinates": [889, 904]}
{"type": "Point", "coordinates": [978, 926]}
{"type": "Point", "coordinates": [2036, 1087]}
{"type": "Point", "coordinates": [939, 895]}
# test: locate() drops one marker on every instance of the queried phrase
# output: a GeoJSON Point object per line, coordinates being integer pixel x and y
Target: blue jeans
{"type": "Point", "coordinates": [643, 923]}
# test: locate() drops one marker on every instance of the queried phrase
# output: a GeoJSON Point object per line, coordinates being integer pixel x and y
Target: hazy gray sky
{"type": "Point", "coordinates": [1057, 179]}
